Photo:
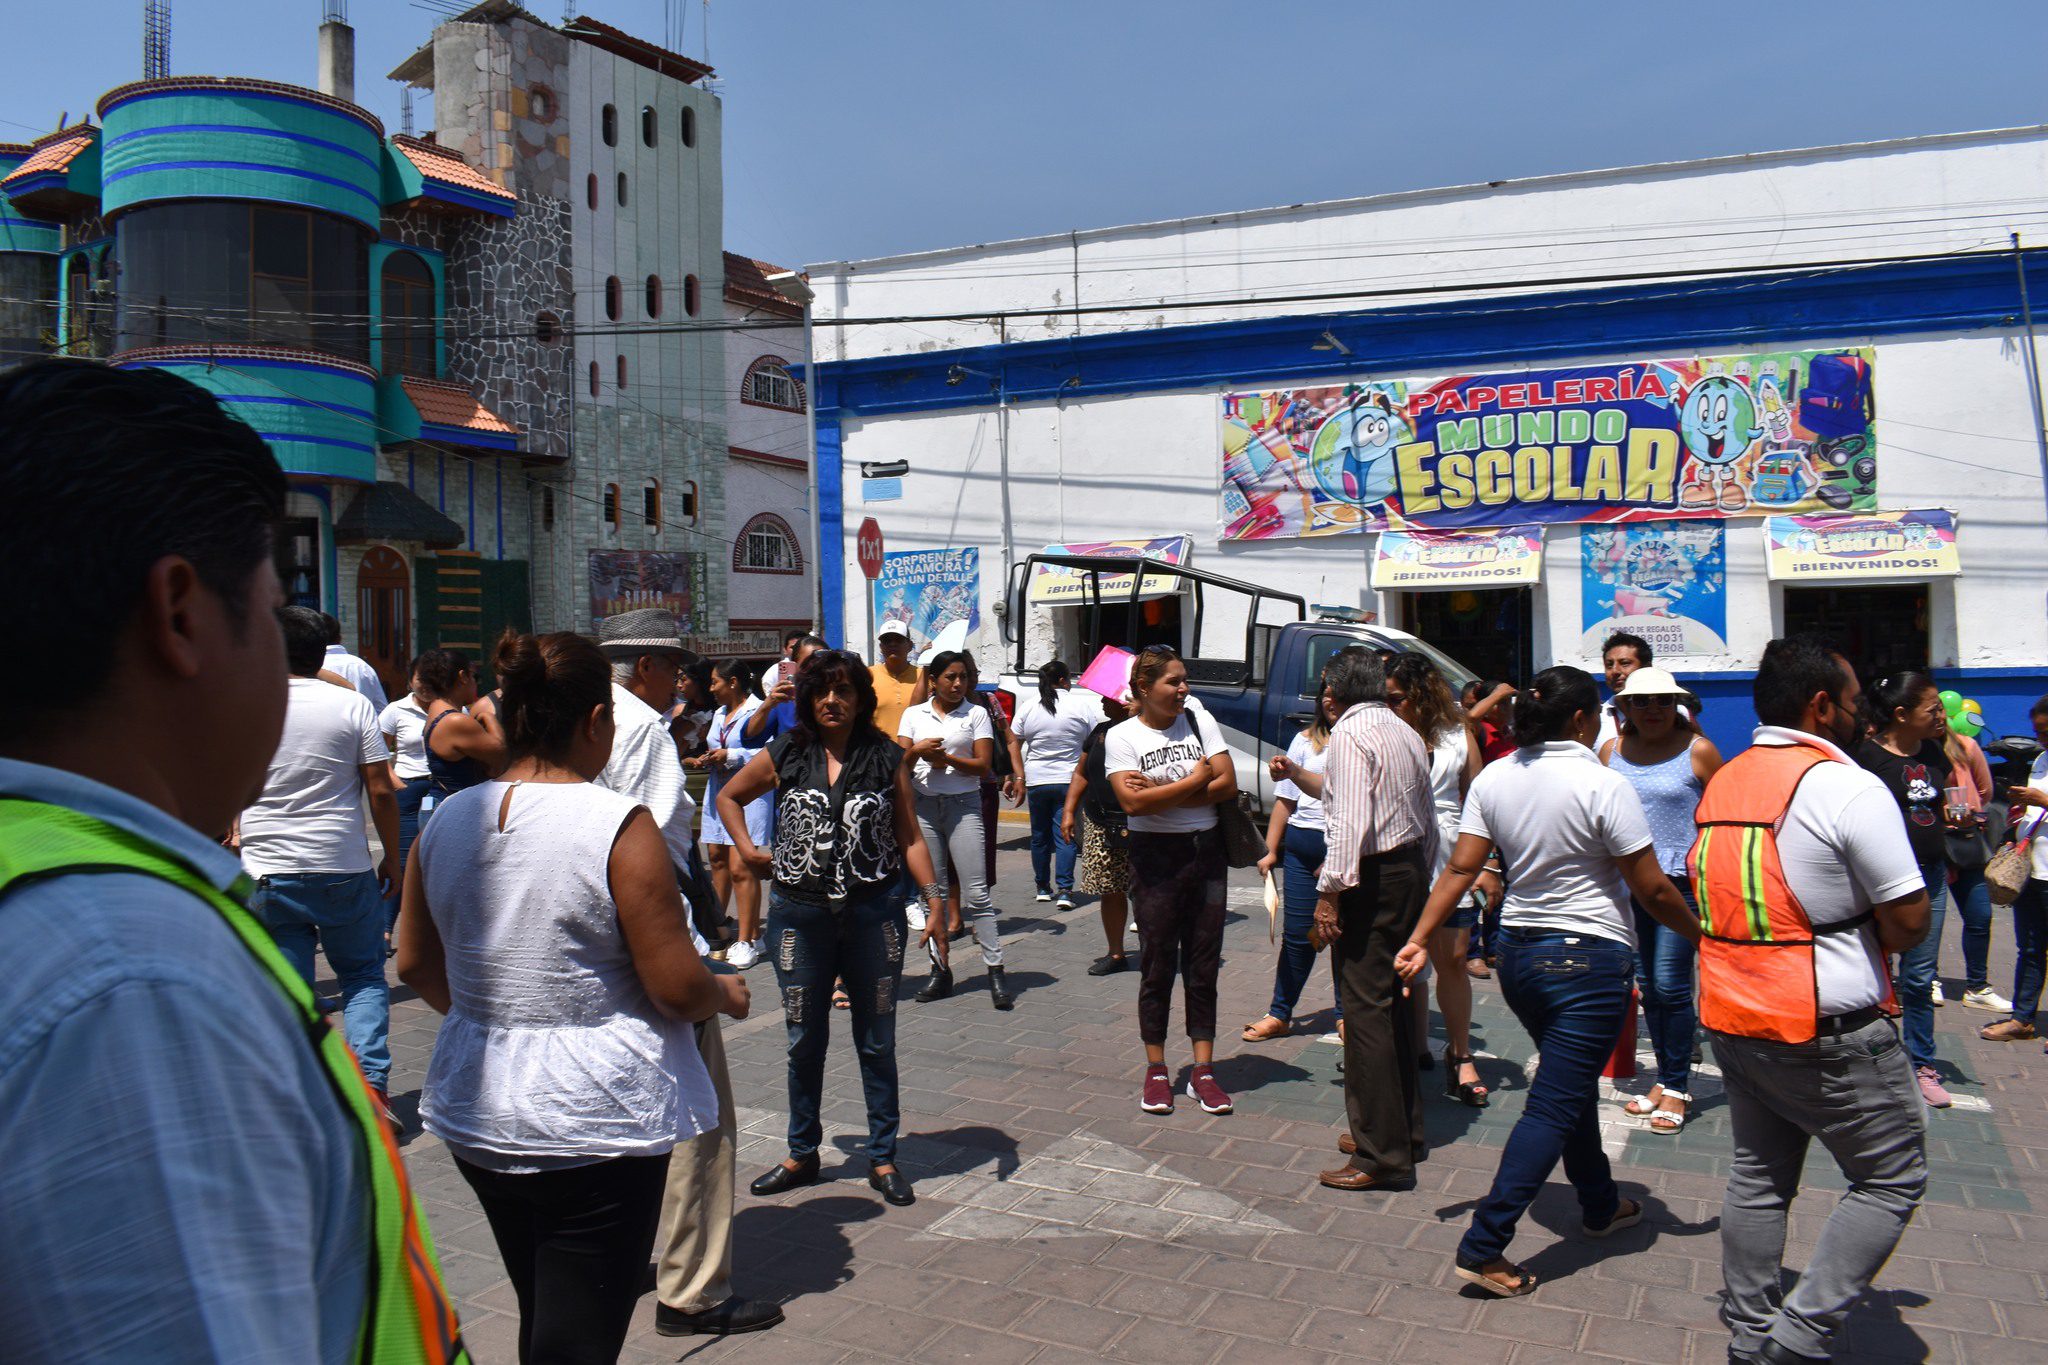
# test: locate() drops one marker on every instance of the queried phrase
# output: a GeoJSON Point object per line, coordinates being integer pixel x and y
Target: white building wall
{"type": "Point", "coordinates": [756, 487]}
{"type": "Point", "coordinates": [1955, 418]}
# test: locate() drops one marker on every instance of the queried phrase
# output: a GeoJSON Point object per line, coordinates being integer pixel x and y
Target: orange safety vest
{"type": "Point", "coordinates": [1758, 977]}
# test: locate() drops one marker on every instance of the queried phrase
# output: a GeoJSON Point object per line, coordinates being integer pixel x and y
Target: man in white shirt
{"type": "Point", "coordinates": [360, 675]}
{"type": "Point", "coordinates": [1842, 844]}
{"type": "Point", "coordinates": [693, 1275]}
{"type": "Point", "coordinates": [305, 841]}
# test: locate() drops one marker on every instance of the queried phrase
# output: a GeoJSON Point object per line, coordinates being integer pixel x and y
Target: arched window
{"type": "Point", "coordinates": [608, 125]}
{"type": "Point", "coordinates": [654, 296]}
{"type": "Point", "coordinates": [547, 329]}
{"type": "Point", "coordinates": [769, 384]}
{"type": "Point", "coordinates": [593, 379]}
{"type": "Point", "coordinates": [650, 504]}
{"type": "Point", "coordinates": [767, 545]}
{"type": "Point", "coordinates": [611, 297]}
{"type": "Point", "coordinates": [622, 374]}
{"type": "Point", "coordinates": [649, 134]}
{"type": "Point", "coordinates": [408, 315]}
{"type": "Point", "coordinates": [611, 506]}
{"type": "Point", "coordinates": [622, 189]}
{"type": "Point", "coordinates": [690, 295]}
{"type": "Point", "coordinates": [689, 127]}
{"type": "Point", "coordinates": [590, 190]}
{"type": "Point", "coordinates": [540, 104]}
{"type": "Point", "coordinates": [689, 502]}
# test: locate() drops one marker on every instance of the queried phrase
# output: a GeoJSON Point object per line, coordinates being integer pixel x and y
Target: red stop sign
{"type": "Point", "coordinates": [868, 547]}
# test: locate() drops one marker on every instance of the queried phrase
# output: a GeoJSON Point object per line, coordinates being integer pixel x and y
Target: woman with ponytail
{"type": "Point", "coordinates": [1575, 844]}
{"type": "Point", "coordinates": [1051, 727]}
{"type": "Point", "coordinates": [1903, 713]}
{"type": "Point", "coordinates": [542, 918]}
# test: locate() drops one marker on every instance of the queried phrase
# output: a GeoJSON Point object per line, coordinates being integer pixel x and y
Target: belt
{"type": "Point", "coordinates": [1835, 1025]}
{"type": "Point", "coordinates": [1411, 849]}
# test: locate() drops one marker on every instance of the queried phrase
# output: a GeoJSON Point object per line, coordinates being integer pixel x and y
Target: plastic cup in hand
{"type": "Point", "coordinates": [1958, 805]}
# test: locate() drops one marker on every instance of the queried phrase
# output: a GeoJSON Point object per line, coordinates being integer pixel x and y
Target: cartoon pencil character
{"type": "Point", "coordinates": [1352, 456]}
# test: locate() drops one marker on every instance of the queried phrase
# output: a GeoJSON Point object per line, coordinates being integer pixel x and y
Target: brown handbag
{"type": "Point", "coordinates": [1243, 845]}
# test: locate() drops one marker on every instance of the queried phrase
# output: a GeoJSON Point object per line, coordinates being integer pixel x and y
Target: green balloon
{"type": "Point", "coordinates": [1952, 702]}
{"type": "Point", "coordinates": [1969, 725]}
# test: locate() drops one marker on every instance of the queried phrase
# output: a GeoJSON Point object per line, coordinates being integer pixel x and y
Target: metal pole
{"type": "Point", "coordinates": [811, 442]}
{"type": "Point", "coordinates": [2019, 265]}
{"type": "Point", "coordinates": [874, 645]}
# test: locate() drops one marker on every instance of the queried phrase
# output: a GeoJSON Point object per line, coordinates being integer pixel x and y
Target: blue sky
{"type": "Point", "coordinates": [869, 127]}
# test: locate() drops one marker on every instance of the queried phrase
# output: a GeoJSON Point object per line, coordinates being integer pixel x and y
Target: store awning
{"type": "Point", "coordinates": [1424, 561]}
{"type": "Point", "coordinates": [391, 511]}
{"type": "Point", "coordinates": [1059, 586]}
{"type": "Point", "coordinates": [1869, 548]}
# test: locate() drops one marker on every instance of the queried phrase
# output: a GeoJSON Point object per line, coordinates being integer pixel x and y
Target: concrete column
{"type": "Point", "coordinates": [338, 61]}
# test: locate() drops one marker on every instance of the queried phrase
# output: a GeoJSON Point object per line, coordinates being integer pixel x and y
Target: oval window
{"type": "Point", "coordinates": [690, 295]}
{"type": "Point", "coordinates": [654, 296]}
{"type": "Point", "coordinates": [611, 297]}
{"type": "Point", "coordinates": [608, 125]}
{"type": "Point", "coordinates": [689, 127]}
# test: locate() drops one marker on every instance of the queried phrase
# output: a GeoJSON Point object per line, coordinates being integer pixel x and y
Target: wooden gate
{"type": "Point", "coordinates": [384, 617]}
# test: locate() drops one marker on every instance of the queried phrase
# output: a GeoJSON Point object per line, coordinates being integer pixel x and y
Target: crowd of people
{"type": "Point", "coordinates": [214, 789]}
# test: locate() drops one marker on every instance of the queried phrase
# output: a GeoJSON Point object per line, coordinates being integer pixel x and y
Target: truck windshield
{"type": "Point", "coordinates": [1323, 646]}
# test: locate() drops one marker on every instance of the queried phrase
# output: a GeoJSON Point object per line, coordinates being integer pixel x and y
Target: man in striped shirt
{"type": "Point", "coordinates": [1382, 836]}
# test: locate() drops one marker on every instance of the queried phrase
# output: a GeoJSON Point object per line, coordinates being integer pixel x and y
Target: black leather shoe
{"type": "Point", "coordinates": [893, 1187]}
{"type": "Point", "coordinates": [998, 994]}
{"type": "Point", "coordinates": [1771, 1353]}
{"type": "Point", "coordinates": [937, 987]}
{"type": "Point", "coordinates": [726, 1319]}
{"type": "Point", "coordinates": [780, 1177]}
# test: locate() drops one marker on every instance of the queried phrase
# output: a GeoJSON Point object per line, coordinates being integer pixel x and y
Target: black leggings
{"type": "Point", "coordinates": [1178, 885]}
{"type": "Point", "coordinates": [575, 1244]}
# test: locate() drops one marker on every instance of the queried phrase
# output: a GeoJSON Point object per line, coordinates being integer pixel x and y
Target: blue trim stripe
{"type": "Point", "coordinates": [292, 172]}
{"type": "Point", "coordinates": [431, 188]}
{"type": "Point", "coordinates": [251, 129]}
{"type": "Point", "coordinates": [319, 405]}
{"type": "Point", "coordinates": [415, 250]}
{"type": "Point", "coordinates": [230, 92]}
{"type": "Point", "coordinates": [29, 223]}
{"type": "Point", "coordinates": [300, 439]}
{"type": "Point", "coordinates": [489, 440]}
{"type": "Point", "coordinates": [36, 184]}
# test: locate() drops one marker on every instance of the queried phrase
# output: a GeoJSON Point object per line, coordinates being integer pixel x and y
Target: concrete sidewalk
{"type": "Point", "coordinates": [1056, 1222]}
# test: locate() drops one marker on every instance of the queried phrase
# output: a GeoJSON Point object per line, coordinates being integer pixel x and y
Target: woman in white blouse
{"type": "Point", "coordinates": [542, 918]}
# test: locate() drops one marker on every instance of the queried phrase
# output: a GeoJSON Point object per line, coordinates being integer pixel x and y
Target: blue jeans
{"type": "Point", "coordinates": [1571, 992]}
{"type": "Point", "coordinates": [1301, 857]}
{"type": "Point", "coordinates": [1916, 970]}
{"type": "Point", "coordinates": [409, 794]}
{"type": "Point", "coordinates": [2030, 928]}
{"type": "Point", "coordinates": [1664, 972]}
{"type": "Point", "coordinates": [1971, 897]}
{"type": "Point", "coordinates": [1047, 800]}
{"type": "Point", "coordinates": [344, 914]}
{"type": "Point", "coordinates": [858, 941]}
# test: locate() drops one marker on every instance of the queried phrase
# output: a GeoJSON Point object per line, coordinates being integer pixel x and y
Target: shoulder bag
{"type": "Point", "coordinates": [2005, 875]}
{"type": "Point", "coordinates": [1243, 845]}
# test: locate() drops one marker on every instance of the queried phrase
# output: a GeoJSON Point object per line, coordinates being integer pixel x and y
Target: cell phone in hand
{"type": "Point", "coordinates": [784, 671]}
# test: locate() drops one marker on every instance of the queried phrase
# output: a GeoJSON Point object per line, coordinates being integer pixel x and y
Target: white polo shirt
{"type": "Point", "coordinates": [1843, 846]}
{"type": "Point", "coordinates": [957, 731]}
{"type": "Point", "coordinates": [310, 816]}
{"type": "Point", "coordinates": [405, 721]}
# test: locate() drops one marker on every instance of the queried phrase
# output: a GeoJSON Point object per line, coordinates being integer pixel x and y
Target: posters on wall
{"type": "Point", "coordinates": [1500, 557]}
{"type": "Point", "coordinates": [1056, 585]}
{"type": "Point", "coordinates": [1666, 582]}
{"type": "Point", "coordinates": [1758, 434]}
{"type": "Point", "coordinates": [627, 580]}
{"type": "Point", "coordinates": [929, 589]}
{"type": "Point", "coordinates": [1805, 549]}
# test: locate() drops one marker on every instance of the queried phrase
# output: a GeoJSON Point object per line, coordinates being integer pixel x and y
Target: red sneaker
{"type": "Point", "coordinates": [1203, 1090]}
{"type": "Point", "coordinates": [1158, 1097]}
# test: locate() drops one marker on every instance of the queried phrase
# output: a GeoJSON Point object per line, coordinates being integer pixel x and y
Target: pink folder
{"type": "Point", "coordinates": [1110, 674]}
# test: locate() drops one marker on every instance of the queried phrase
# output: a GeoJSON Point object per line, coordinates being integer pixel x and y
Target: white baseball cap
{"type": "Point", "coordinates": [894, 628]}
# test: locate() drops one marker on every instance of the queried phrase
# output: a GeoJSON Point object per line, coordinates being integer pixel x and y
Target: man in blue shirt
{"type": "Point", "coordinates": [779, 714]}
{"type": "Point", "coordinates": [181, 1182]}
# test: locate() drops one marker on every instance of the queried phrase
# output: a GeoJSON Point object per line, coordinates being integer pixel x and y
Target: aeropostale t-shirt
{"type": "Point", "coordinates": [1164, 757]}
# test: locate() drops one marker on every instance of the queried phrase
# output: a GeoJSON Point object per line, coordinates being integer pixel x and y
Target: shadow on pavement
{"type": "Point", "coordinates": [790, 1250]}
{"type": "Point", "coordinates": [1245, 1072]}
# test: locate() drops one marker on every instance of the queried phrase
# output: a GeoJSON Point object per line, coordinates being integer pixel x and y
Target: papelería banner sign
{"type": "Point", "coordinates": [1759, 434]}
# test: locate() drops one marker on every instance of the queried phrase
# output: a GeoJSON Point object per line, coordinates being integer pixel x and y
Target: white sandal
{"type": "Point", "coordinates": [1642, 1106]}
{"type": "Point", "coordinates": [1670, 1122]}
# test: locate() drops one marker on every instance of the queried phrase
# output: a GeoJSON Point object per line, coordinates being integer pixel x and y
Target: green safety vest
{"type": "Point", "coordinates": [407, 1319]}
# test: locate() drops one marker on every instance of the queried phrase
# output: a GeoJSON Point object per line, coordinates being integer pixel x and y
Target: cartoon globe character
{"type": "Point", "coordinates": [1717, 422]}
{"type": "Point", "coordinates": [1352, 456]}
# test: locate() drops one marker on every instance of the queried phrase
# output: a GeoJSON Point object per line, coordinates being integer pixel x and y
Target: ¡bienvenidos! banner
{"type": "Point", "coordinates": [1666, 582]}
{"type": "Point", "coordinates": [1505, 556]}
{"type": "Point", "coordinates": [1057, 585]}
{"type": "Point", "coordinates": [1765, 433]}
{"type": "Point", "coordinates": [929, 589]}
{"type": "Point", "coordinates": [1918, 544]}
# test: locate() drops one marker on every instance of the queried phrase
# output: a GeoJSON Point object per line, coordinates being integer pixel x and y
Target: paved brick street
{"type": "Point", "coordinates": [1055, 1222]}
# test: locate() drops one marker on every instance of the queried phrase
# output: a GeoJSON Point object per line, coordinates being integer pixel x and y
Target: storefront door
{"type": "Point", "coordinates": [1880, 628]}
{"type": "Point", "coordinates": [1488, 630]}
{"type": "Point", "coordinates": [384, 617]}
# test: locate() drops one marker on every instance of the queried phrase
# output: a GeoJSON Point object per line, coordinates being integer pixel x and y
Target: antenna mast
{"type": "Point", "coordinates": [156, 39]}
